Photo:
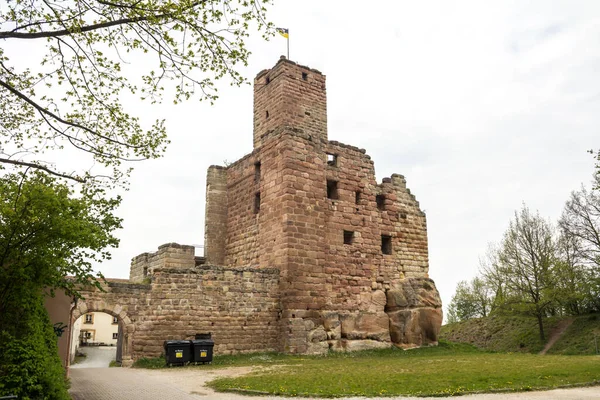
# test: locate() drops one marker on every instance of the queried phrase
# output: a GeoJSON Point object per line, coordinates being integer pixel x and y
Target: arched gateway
{"type": "Point", "coordinates": [126, 326]}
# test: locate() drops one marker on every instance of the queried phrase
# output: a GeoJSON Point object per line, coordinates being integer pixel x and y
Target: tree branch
{"type": "Point", "coordinates": [59, 119]}
{"type": "Point", "coordinates": [43, 168]}
{"type": "Point", "coordinates": [88, 28]}
{"type": "Point", "coordinates": [67, 32]}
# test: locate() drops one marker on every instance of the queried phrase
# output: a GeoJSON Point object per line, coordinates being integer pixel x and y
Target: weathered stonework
{"type": "Point", "coordinates": [239, 306]}
{"type": "Point", "coordinates": [311, 208]}
{"type": "Point", "coordinates": [315, 255]}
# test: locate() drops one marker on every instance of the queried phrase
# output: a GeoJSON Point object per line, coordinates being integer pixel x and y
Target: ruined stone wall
{"type": "Point", "coordinates": [337, 277]}
{"type": "Point", "coordinates": [348, 241]}
{"type": "Point", "coordinates": [252, 189]}
{"type": "Point", "coordinates": [170, 255]}
{"type": "Point", "coordinates": [138, 268]}
{"type": "Point", "coordinates": [239, 306]}
{"type": "Point", "coordinates": [243, 189]}
{"type": "Point", "coordinates": [215, 233]}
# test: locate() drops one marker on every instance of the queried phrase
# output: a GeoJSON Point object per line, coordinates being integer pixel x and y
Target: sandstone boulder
{"type": "Point", "coordinates": [318, 348]}
{"type": "Point", "coordinates": [331, 320]}
{"type": "Point", "coordinates": [416, 327]}
{"type": "Point", "coordinates": [413, 293]}
{"type": "Point", "coordinates": [374, 301]}
{"type": "Point", "coordinates": [317, 335]}
{"type": "Point", "coordinates": [332, 325]}
{"type": "Point", "coordinates": [374, 326]}
{"type": "Point", "coordinates": [358, 345]}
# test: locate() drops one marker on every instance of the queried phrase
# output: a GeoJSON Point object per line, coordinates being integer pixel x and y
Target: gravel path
{"type": "Point", "coordinates": [189, 384]}
{"type": "Point", "coordinates": [97, 357]}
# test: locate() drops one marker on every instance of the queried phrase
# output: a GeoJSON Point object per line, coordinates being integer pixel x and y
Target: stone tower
{"type": "Point", "coordinates": [352, 253]}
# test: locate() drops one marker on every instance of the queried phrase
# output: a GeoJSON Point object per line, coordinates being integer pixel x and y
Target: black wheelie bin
{"type": "Point", "coordinates": [202, 348]}
{"type": "Point", "coordinates": [177, 351]}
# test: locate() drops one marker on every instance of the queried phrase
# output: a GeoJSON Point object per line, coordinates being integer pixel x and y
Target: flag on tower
{"type": "Point", "coordinates": [285, 32]}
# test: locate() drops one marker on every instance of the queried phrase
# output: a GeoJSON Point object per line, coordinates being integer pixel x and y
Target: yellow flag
{"type": "Point", "coordinates": [285, 32]}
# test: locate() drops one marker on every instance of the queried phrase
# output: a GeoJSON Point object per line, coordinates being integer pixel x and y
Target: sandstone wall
{"type": "Point", "coordinates": [290, 95]}
{"type": "Point", "coordinates": [215, 233]}
{"type": "Point", "coordinates": [341, 240]}
{"type": "Point", "coordinates": [243, 193]}
{"type": "Point", "coordinates": [347, 240]}
{"type": "Point", "coordinates": [239, 306]}
{"type": "Point", "coordinates": [169, 255]}
{"type": "Point", "coordinates": [334, 285]}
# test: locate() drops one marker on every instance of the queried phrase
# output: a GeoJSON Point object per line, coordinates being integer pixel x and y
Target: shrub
{"type": "Point", "coordinates": [30, 367]}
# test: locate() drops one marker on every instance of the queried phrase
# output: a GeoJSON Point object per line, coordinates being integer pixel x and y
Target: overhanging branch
{"type": "Point", "coordinates": [59, 119]}
{"type": "Point", "coordinates": [93, 27]}
{"type": "Point", "coordinates": [41, 167]}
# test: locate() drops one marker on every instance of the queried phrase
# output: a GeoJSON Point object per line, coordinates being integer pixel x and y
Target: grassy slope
{"type": "Point", "coordinates": [520, 334]}
{"type": "Point", "coordinates": [579, 337]}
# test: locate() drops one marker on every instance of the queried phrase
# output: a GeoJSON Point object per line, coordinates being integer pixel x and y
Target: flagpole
{"type": "Point", "coordinates": [288, 46]}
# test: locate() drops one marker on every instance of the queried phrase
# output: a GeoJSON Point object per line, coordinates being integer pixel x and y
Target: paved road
{"type": "Point", "coordinates": [97, 357]}
{"type": "Point", "coordinates": [188, 384]}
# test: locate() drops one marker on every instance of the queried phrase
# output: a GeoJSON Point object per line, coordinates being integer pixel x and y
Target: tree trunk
{"type": "Point", "coordinates": [541, 326]}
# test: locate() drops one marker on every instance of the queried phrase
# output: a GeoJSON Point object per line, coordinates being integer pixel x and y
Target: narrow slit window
{"type": "Point", "coordinates": [304, 76]}
{"type": "Point", "coordinates": [348, 237]}
{"type": "Point", "coordinates": [267, 115]}
{"type": "Point", "coordinates": [332, 160]}
{"type": "Point", "coordinates": [267, 80]}
{"type": "Point", "coordinates": [257, 203]}
{"type": "Point", "coordinates": [386, 244]}
{"type": "Point", "coordinates": [380, 199]}
{"type": "Point", "coordinates": [357, 197]}
{"type": "Point", "coordinates": [332, 189]}
{"type": "Point", "coordinates": [257, 172]}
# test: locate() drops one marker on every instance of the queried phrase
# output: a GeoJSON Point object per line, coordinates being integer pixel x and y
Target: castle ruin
{"type": "Point", "coordinates": [304, 251]}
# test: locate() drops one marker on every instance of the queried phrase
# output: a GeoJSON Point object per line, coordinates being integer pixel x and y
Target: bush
{"type": "Point", "coordinates": [30, 367]}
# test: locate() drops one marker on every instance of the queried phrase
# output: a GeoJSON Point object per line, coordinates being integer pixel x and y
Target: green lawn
{"type": "Point", "coordinates": [449, 369]}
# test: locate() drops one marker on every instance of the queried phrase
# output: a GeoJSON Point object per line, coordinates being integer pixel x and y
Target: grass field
{"type": "Point", "coordinates": [449, 369]}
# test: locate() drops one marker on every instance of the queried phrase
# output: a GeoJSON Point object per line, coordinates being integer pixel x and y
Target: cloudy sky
{"type": "Point", "coordinates": [481, 105]}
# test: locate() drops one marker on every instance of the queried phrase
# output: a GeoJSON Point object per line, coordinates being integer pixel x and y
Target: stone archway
{"type": "Point", "coordinates": [126, 325]}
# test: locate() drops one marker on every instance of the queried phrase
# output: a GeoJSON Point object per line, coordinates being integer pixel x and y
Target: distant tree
{"type": "Point", "coordinates": [597, 173]}
{"type": "Point", "coordinates": [570, 286]}
{"type": "Point", "coordinates": [482, 295]}
{"type": "Point", "coordinates": [526, 261]}
{"type": "Point", "coordinates": [462, 306]}
{"type": "Point", "coordinates": [492, 276]}
{"type": "Point", "coordinates": [580, 226]}
{"type": "Point", "coordinates": [471, 300]}
{"type": "Point", "coordinates": [69, 90]}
